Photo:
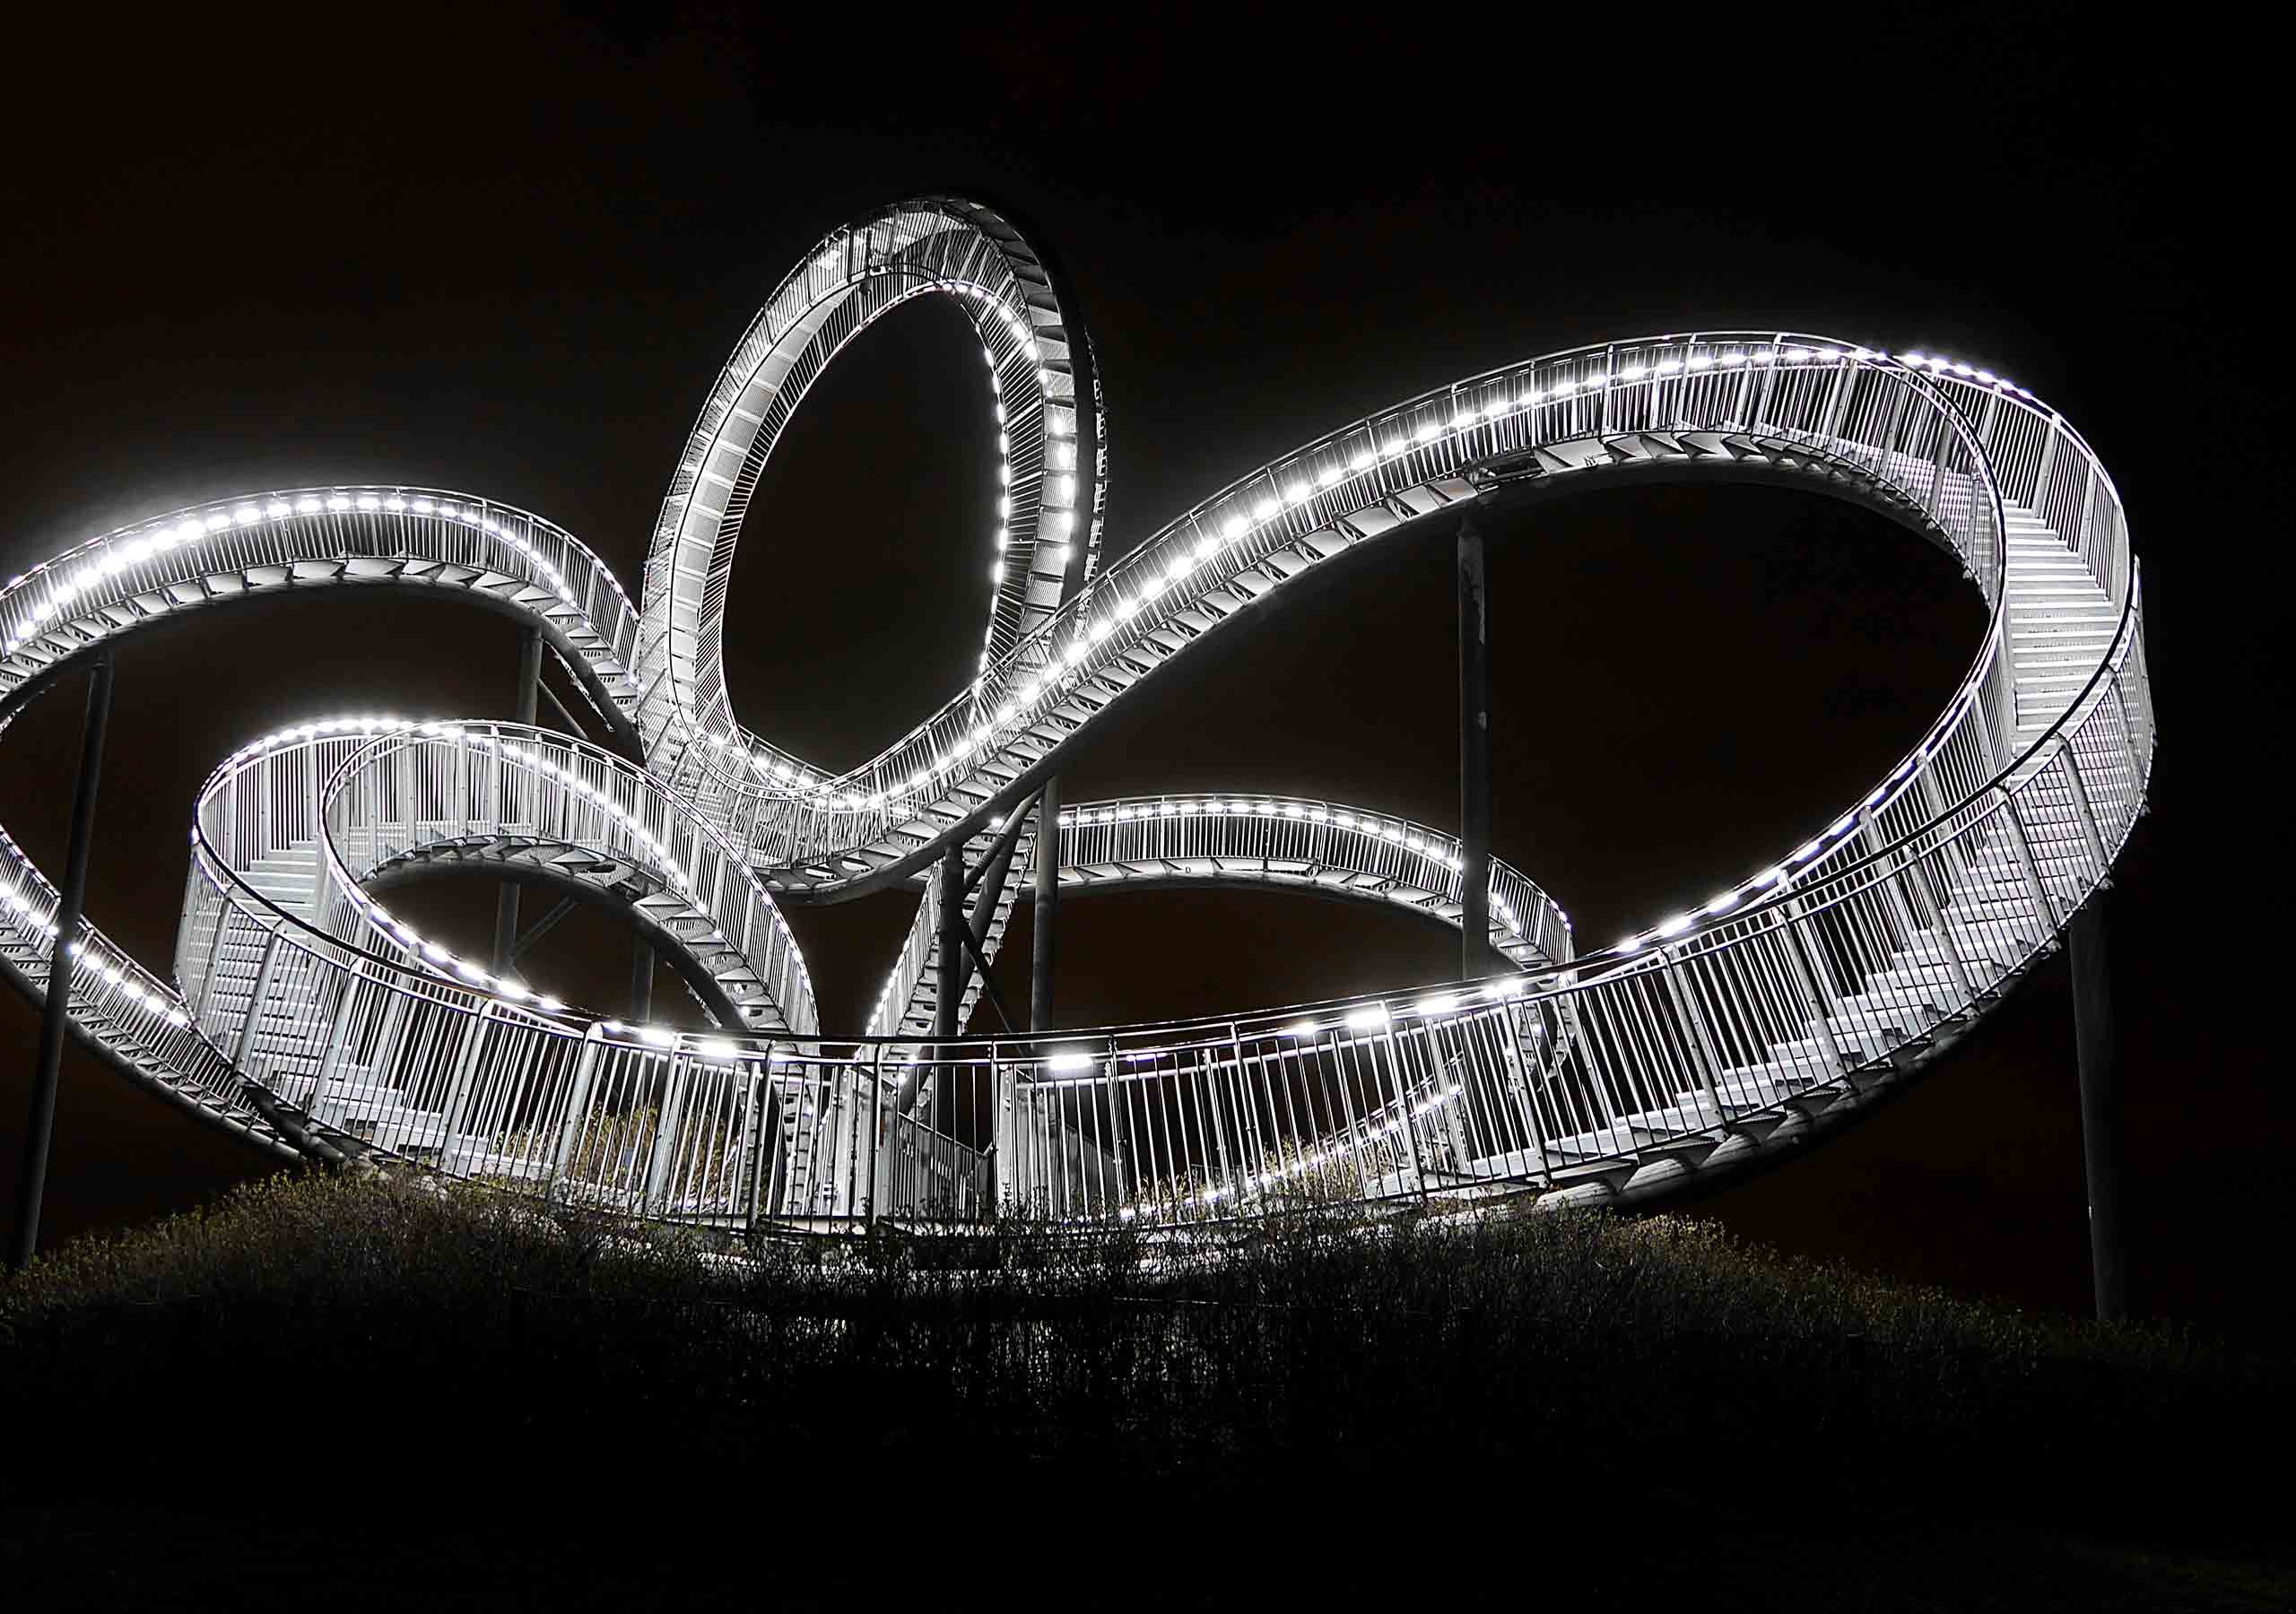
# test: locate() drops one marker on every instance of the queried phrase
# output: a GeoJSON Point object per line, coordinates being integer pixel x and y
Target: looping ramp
{"type": "Point", "coordinates": [1716, 1040]}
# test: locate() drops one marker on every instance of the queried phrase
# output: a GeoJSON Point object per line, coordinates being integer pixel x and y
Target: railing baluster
{"type": "Point", "coordinates": [2044, 904]}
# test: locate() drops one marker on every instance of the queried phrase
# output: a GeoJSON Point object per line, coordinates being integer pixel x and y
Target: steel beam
{"type": "Point", "coordinates": [999, 855]}
{"type": "Point", "coordinates": [40, 1130]}
{"type": "Point", "coordinates": [2092, 1035]}
{"type": "Point", "coordinates": [988, 981]}
{"type": "Point", "coordinates": [505, 900]}
{"type": "Point", "coordinates": [641, 981]}
{"type": "Point", "coordinates": [1045, 918]}
{"type": "Point", "coordinates": [543, 926]}
{"type": "Point", "coordinates": [573, 724]}
{"type": "Point", "coordinates": [1476, 957]}
{"type": "Point", "coordinates": [950, 933]}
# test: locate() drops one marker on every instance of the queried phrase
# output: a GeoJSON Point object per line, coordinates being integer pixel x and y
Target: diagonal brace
{"type": "Point", "coordinates": [573, 724]}
{"type": "Point", "coordinates": [1000, 851]}
{"type": "Point", "coordinates": [988, 980]}
{"type": "Point", "coordinates": [543, 928]}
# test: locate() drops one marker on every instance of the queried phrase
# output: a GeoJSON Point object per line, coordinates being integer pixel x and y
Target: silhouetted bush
{"type": "Point", "coordinates": [453, 1338]}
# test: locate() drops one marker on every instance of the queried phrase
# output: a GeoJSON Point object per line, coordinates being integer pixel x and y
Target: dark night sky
{"type": "Point", "coordinates": [506, 252]}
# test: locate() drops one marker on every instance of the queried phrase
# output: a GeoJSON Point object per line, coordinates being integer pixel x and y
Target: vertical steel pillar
{"type": "Point", "coordinates": [2092, 1035]}
{"type": "Point", "coordinates": [950, 933]}
{"type": "Point", "coordinates": [1475, 957]}
{"type": "Point", "coordinates": [529, 673]}
{"type": "Point", "coordinates": [40, 1129]}
{"type": "Point", "coordinates": [951, 961]}
{"type": "Point", "coordinates": [506, 900]}
{"type": "Point", "coordinates": [641, 981]}
{"type": "Point", "coordinates": [1044, 921]}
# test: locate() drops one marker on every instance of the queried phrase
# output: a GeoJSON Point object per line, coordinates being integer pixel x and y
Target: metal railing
{"type": "Point", "coordinates": [1049, 503]}
{"type": "Point", "coordinates": [1241, 841]}
{"type": "Point", "coordinates": [307, 537]}
{"type": "Point", "coordinates": [1252, 837]}
{"type": "Point", "coordinates": [1716, 1035]}
{"type": "Point", "coordinates": [1863, 411]}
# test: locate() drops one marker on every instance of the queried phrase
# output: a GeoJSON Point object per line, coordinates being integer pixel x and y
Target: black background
{"type": "Point", "coordinates": [504, 250]}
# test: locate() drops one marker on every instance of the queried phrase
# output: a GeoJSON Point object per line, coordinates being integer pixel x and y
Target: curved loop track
{"type": "Point", "coordinates": [1716, 1040]}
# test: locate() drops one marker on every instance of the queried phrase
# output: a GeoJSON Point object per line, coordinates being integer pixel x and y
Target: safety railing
{"type": "Point", "coordinates": [1556, 1079]}
{"type": "Point", "coordinates": [142, 1019]}
{"type": "Point", "coordinates": [304, 535]}
{"type": "Point", "coordinates": [1891, 422]}
{"type": "Point", "coordinates": [1298, 840]}
{"type": "Point", "coordinates": [1892, 923]}
{"type": "Point", "coordinates": [1048, 503]}
{"type": "Point", "coordinates": [321, 807]}
{"type": "Point", "coordinates": [1238, 841]}
{"type": "Point", "coordinates": [1703, 1040]}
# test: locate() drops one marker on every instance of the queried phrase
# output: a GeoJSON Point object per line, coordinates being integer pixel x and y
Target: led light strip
{"type": "Point", "coordinates": [445, 963]}
{"type": "Point", "coordinates": [1134, 585]}
{"type": "Point", "coordinates": [1274, 521]}
{"type": "Point", "coordinates": [80, 571]}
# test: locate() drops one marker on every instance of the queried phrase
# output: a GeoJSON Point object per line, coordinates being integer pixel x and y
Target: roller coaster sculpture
{"type": "Point", "coordinates": [302, 1008]}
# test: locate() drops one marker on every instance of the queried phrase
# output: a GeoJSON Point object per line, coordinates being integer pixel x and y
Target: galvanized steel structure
{"type": "Point", "coordinates": [1747, 1025]}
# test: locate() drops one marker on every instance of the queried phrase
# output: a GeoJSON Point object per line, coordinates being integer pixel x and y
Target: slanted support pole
{"type": "Point", "coordinates": [506, 900]}
{"type": "Point", "coordinates": [988, 981]}
{"type": "Point", "coordinates": [2092, 1035]}
{"type": "Point", "coordinates": [1045, 917]}
{"type": "Point", "coordinates": [573, 724]}
{"type": "Point", "coordinates": [1477, 959]}
{"type": "Point", "coordinates": [543, 928]}
{"type": "Point", "coordinates": [72, 900]}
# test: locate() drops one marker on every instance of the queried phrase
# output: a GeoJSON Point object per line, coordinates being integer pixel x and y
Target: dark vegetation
{"type": "Point", "coordinates": [385, 1371]}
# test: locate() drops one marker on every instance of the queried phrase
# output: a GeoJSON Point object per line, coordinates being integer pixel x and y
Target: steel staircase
{"type": "Point", "coordinates": [1762, 1018]}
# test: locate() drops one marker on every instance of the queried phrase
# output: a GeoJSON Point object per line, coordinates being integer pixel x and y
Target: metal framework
{"type": "Point", "coordinates": [1748, 1025]}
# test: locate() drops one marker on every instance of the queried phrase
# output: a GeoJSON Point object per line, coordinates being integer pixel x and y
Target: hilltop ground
{"type": "Point", "coordinates": [348, 1394]}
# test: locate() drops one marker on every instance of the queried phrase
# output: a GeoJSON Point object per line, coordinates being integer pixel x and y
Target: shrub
{"type": "Point", "coordinates": [455, 1321]}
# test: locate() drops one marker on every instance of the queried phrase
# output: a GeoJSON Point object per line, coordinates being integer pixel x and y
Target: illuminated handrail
{"type": "Point", "coordinates": [1764, 1016]}
{"type": "Point", "coordinates": [1241, 839]}
{"type": "Point", "coordinates": [1924, 442]}
{"type": "Point", "coordinates": [233, 547]}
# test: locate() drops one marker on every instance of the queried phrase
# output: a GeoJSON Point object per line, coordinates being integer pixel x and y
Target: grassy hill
{"type": "Point", "coordinates": [341, 1390]}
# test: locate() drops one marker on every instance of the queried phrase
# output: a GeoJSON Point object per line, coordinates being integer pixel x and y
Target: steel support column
{"type": "Point", "coordinates": [1046, 913]}
{"type": "Point", "coordinates": [951, 934]}
{"type": "Point", "coordinates": [505, 900]}
{"type": "Point", "coordinates": [40, 1130]}
{"type": "Point", "coordinates": [2092, 1035]}
{"type": "Point", "coordinates": [642, 980]}
{"type": "Point", "coordinates": [1476, 958]}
